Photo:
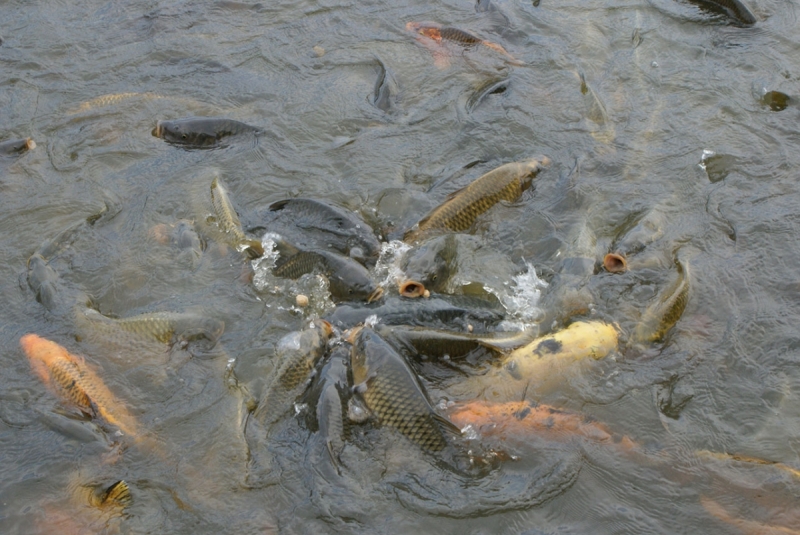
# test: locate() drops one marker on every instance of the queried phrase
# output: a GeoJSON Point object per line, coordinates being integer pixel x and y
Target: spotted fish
{"type": "Point", "coordinates": [393, 392]}
{"type": "Point", "coordinates": [462, 207]}
{"type": "Point", "coordinates": [440, 35]}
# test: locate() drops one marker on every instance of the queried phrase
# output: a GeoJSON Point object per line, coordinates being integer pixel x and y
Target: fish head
{"type": "Point", "coordinates": [367, 354]}
{"type": "Point", "coordinates": [431, 265]}
{"type": "Point", "coordinates": [191, 132]}
{"type": "Point", "coordinates": [43, 354]}
{"type": "Point", "coordinates": [426, 29]}
{"type": "Point", "coordinates": [532, 167]}
{"type": "Point", "coordinates": [354, 285]}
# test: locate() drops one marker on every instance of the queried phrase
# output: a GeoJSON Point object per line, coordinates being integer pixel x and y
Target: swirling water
{"type": "Point", "coordinates": [669, 122]}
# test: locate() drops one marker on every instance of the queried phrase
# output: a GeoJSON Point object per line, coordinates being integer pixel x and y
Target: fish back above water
{"type": "Point", "coordinates": [393, 392]}
{"type": "Point", "coordinates": [165, 327]}
{"type": "Point", "coordinates": [202, 132]}
{"type": "Point", "coordinates": [323, 226]}
{"type": "Point", "coordinates": [16, 146]}
{"type": "Point", "coordinates": [330, 392]}
{"type": "Point", "coordinates": [462, 207]}
{"type": "Point", "coordinates": [70, 378]}
{"type": "Point", "coordinates": [348, 279]}
{"type": "Point", "coordinates": [662, 315]}
{"type": "Point", "coordinates": [735, 10]}
{"type": "Point", "coordinates": [439, 312]}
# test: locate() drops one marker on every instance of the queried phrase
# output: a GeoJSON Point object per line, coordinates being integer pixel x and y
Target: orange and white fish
{"type": "Point", "coordinates": [70, 378]}
{"type": "Point", "coordinates": [518, 420]}
{"type": "Point", "coordinates": [435, 36]}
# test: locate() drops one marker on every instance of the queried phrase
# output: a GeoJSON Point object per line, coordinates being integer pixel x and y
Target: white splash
{"type": "Point", "coordinates": [387, 270]}
{"type": "Point", "coordinates": [262, 267]}
{"type": "Point", "coordinates": [704, 158]}
{"type": "Point", "coordinates": [521, 299]}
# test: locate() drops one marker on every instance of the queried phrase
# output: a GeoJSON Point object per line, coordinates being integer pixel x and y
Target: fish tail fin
{"type": "Point", "coordinates": [118, 495]}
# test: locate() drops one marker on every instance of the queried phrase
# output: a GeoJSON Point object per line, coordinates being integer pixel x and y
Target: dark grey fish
{"type": "Point", "coordinates": [202, 132]}
{"type": "Point", "coordinates": [433, 263]}
{"type": "Point", "coordinates": [445, 312]}
{"type": "Point", "coordinates": [16, 146]}
{"type": "Point", "coordinates": [645, 230]}
{"type": "Point", "coordinates": [736, 11]}
{"type": "Point", "coordinates": [438, 344]}
{"type": "Point", "coordinates": [185, 238]}
{"type": "Point", "coordinates": [323, 227]}
{"type": "Point", "coordinates": [384, 96]}
{"type": "Point", "coordinates": [348, 280]}
{"type": "Point", "coordinates": [329, 394]}
{"type": "Point", "coordinates": [492, 87]}
{"type": "Point", "coordinates": [394, 394]}
{"type": "Point", "coordinates": [43, 280]}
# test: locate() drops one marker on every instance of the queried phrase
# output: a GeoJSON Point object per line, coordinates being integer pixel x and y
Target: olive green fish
{"type": "Point", "coordinates": [393, 392]}
{"type": "Point", "coordinates": [16, 146]}
{"type": "Point", "coordinates": [662, 315]}
{"type": "Point", "coordinates": [348, 279]}
{"type": "Point", "coordinates": [202, 132]}
{"type": "Point", "coordinates": [228, 221]}
{"type": "Point", "coordinates": [331, 392]}
{"type": "Point", "coordinates": [165, 327]}
{"type": "Point", "coordinates": [297, 354]}
{"type": "Point", "coordinates": [462, 207]}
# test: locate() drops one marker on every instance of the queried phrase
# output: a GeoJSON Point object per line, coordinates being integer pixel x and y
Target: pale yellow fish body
{"type": "Point", "coordinates": [228, 220]}
{"type": "Point", "coordinates": [539, 366]}
{"type": "Point", "coordinates": [111, 100]}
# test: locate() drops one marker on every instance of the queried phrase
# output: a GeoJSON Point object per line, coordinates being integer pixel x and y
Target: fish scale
{"type": "Point", "coordinates": [348, 279]}
{"type": "Point", "coordinates": [462, 207]}
{"type": "Point", "coordinates": [160, 326]}
{"type": "Point", "coordinates": [458, 36]}
{"type": "Point", "coordinates": [394, 394]}
{"type": "Point", "coordinates": [666, 311]}
{"type": "Point", "coordinates": [73, 381]}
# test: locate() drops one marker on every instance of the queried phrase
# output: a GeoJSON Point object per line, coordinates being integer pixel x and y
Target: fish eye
{"type": "Point", "coordinates": [183, 136]}
{"type": "Point", "coordinates": [434, 277]}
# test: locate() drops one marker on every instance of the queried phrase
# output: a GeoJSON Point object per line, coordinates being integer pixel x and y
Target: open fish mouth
{"type": "Point", "coordinates": [412, 289]}
{"type": "Point", "coordinates": [615, 263]}
{"type": "Point", "coordinates": [375, 295]}
{"type": "Point", "coordinates": [157, 131]}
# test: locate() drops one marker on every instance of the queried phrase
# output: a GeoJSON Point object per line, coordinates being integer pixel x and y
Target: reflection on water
{"type": "Point", "coordinates": [672, 134]}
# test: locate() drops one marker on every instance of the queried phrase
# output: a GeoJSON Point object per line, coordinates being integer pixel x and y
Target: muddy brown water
{"type": "Point", "coordinates": [671, 122]}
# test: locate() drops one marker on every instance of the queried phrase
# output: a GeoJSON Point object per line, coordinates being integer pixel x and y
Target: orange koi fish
{"type": "Point", "coordinates": [435, 36]}
{"type": "Point", "coordinates": [520, 419]}
{"type": "Point", "coordinates": [70, 378]}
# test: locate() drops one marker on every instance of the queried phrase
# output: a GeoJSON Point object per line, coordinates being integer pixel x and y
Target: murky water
{"type": "Point", "coordinates": [669, 126]}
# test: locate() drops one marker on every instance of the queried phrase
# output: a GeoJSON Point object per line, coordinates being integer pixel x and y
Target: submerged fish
{"type": "Point", "coordinates": [662, 315]}
{"type": "Point", "coordinates": [432, 264]}
{"type": "Point", "coordinates": [747, 459]}
{"type": "Point", "coordinates": [117, 495]}
{"type": "Point", "coordinates": [297, 354]}
{"type": "Point", "coordinates": [202, 132]}
{"type": "Point", "coordinates": [440, 344]}
{"type": "Point", "coordinates": [439, 311]}
{"type": "Point", "coordinates": [348, 280]}
{"type": "Point", "coordinates": [71, 379]}
{"type": "Point", "coordinates": [385, 94]}
{"type": "Point", "coordinates": [165, 327]}
{"type": "Point", "coordinates": [228, 221]}
{"type": "Point", "coordinates": [112, 99]}
{"type": "Point", "coordinates": [439, 34]}
{"type": "Point", "coordinates": [16, 146]}
{"type": "Point", "coordinates": [745, 526]}
{"type": "Point", "coordinates": [324, 226]}
{"type": "Point", "coordinates": [735, 10]}
{"type": "Point", "coordinates": [520, 420]}
{"type": "Point", "coordinates": [462, 207]}
{"type": "Point", "coordinates": [393, 392]}
{"type": "Point", "coordinates": [43, 280]}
